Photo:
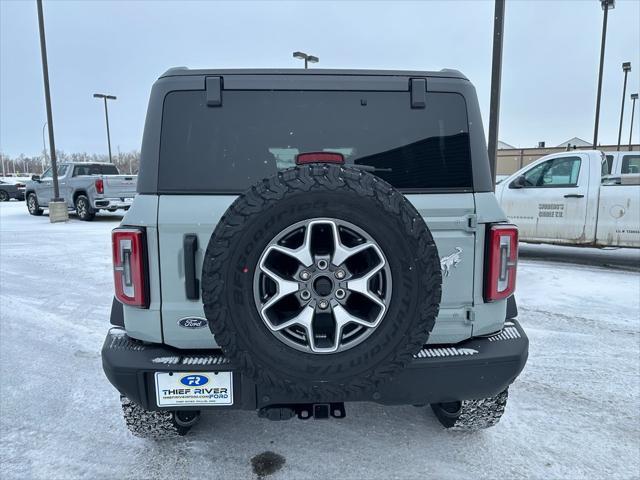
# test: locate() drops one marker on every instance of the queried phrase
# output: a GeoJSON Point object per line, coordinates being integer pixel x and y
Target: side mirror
{"type": "Point", "coordinates": [519, 182]}
{"type": "Point", "coordinates": [35, 178]}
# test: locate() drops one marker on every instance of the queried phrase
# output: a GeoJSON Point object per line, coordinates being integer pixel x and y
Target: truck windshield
{"type": "Point", "coordinates": [62, 169]}
{"type": "Point", "coordinates": [254, 133]}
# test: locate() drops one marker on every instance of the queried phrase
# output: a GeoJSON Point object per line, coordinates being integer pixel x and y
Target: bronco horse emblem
{"type": "Point", "coordinates": [450, 261]}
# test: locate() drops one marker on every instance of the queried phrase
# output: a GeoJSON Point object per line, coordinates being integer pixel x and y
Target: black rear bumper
{"type": "Point", "coordinates": [477, 368]}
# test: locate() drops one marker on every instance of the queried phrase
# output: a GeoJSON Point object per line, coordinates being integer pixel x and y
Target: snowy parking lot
{"type": "Point", "coordinates": [573, 413]}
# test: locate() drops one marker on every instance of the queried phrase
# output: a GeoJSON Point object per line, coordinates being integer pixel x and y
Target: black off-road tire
{"type": "Point", "coordinates": [33, 206]}
{"type": "Point", "coordinates": [154, 425]}
{"type": "Point", "coordinates": [299, 194]}
{"type": "Point", "coordinates": [4, 196]}
{"type": "Point", "coordinates": [83, 209]}
{"type": "Point", "coordinates": [470, 415]}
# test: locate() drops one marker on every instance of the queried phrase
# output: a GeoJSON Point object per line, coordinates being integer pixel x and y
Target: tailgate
{"type": "Point", "coordinates": [119, 185]}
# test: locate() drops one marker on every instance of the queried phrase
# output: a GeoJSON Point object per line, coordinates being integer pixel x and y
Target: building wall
{"type": "Point", "coordinates": [512, 160]}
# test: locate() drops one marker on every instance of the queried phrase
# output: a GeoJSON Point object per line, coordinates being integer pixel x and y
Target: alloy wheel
{"type": "Point", "coordinates": [322, 285]}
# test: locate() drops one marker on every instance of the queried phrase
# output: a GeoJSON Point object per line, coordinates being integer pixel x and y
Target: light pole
{"type": "Point", "coordinates": [106, 116]}
{"type": "Point", "coordinates": [626, 68]}
{"type": "Point", "coordinates": [496, 78]}
{"type": "Point", "coordinates": [634, 97]}
{"type": "Point", "coordinates": [52, 144]}
{"type": "Point", "coordinates": [44, 149]}
{"type": "Point", "coordinates": [606, 6]}
{"type": "Point", "coordinates": [307, 58]}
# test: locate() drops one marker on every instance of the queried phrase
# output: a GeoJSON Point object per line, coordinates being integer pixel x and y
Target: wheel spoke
{"type": "Point", "coordinates": [342, 253]}
{"type": "Point", "coordinates": [361, 284]}
{"type": "Point", "coordinates": [284, 287]}
{"type": "Point", "coordinates": [302, 253]}
{"type": "Point", "coordinates": [304, 319]}
{"type": "Point", "coordinates": [344, 318]}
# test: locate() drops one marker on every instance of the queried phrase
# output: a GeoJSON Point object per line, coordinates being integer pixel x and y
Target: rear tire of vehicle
{"type": "Point", "coordinates": [33, 206]}
{"type": "Point", "coordinates": [470, 415]}
{"type": "Point", "coordinates": [83, 209]}
{"type": "Point", "coordinates": [156, 425]}
{"type": "Point", "coordinates": [4, 196]}
{"type": "Point", "coordinates": [296, 195]}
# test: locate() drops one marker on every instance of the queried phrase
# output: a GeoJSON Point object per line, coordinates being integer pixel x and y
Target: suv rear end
{"type": "Point", "coordinates": [212, 136]}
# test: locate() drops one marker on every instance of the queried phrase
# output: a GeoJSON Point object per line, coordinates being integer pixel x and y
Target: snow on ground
{"type": "Point", "coordinates": [572, 414]}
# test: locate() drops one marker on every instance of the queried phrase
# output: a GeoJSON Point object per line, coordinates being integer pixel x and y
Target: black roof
{"type": "Point", "coordinates": [184, 71]}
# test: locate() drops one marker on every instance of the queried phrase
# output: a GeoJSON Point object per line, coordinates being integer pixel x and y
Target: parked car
{"type": "Point", "coordinates": [9, 190]}
{"type": "Point", "coordinates": [85, 187]}
{"type": "Point", "coordinates": [305, 238]}
{"type": "Point", "coordinates": [580, 197]}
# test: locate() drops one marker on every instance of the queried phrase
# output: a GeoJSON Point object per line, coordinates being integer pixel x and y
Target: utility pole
{"type": "Point", "coordinates": [634, 97]}
{"type": "Point", "coordinates": [626, 68]}
{"type": "Point", "coordinates": [496, 78]}
{"type": "Point", "coordinates": [606, 6]}
{"type": "Point", "coordinates": [106, 116]}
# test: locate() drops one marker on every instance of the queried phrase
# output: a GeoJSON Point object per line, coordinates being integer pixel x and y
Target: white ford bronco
{"type": "Point", "coordinates": [303, 239]}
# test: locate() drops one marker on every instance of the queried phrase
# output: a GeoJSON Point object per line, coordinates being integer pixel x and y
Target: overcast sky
{"type": "Point", "coordinates": [551, 53]}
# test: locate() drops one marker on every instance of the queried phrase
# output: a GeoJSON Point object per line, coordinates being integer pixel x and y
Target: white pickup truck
{"type": "Point", "coordinates": [578, 197]}
{"type": "Point", "coordinates": [85, 187]}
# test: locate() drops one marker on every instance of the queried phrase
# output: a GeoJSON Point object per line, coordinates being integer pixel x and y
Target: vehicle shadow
{"type": "Point", "coordinates": [99, 218]}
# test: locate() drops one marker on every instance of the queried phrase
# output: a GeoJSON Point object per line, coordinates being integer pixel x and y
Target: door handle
{"type": "Point", "coordinates": [574, 195]}
{"type": "Point", "coordinates": [191, 287]}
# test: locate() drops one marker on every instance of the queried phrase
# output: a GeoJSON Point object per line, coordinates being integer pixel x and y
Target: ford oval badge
{"type": "Point", "coordinates": [194, 380]}
{"type": "Point", "coordinates": [193, 322]}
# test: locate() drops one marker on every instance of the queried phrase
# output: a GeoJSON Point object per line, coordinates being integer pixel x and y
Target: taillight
{"type": "Point", "coordinates": [130, 266]}
{"type": "Point", "coordinates": [502, 259]}
{"type": "Point", "coordinates": [99, 186]}
{"type": "Point", "coordinates": [319, 157]}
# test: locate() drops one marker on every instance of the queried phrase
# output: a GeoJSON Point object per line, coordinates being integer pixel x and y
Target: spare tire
{"type": "Point", "coordinates": [322, 281]}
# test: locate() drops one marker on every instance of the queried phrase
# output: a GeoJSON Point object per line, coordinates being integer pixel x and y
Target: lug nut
{"type": "Point", "coordinates": [323, 304]}
{"type": "Point", "coordinates": [304, 275]}
{"type": "Point", "coordinates": [305, 295]}
{"type": "Point", "coordinates": [322, 264]}
{"type": "Point", "coordinates": [340, 274]}
{"type": "Point", "coordinates": [340, 293]}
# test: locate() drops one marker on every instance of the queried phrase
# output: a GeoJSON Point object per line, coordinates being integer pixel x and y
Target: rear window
{"type": "Point", "coordinates": [226, 149]}
{"type": "Point", "coordinates": [94, 170]}
{"type": "Point", "coordinates": [630, 164]}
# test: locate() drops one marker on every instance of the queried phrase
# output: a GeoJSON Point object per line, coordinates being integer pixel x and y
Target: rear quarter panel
{"type": "Point", "coordinates": [619, 216]}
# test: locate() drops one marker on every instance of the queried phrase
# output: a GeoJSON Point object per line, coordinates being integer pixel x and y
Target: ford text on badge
{"type": "Point", "coordinates": [193, 322]}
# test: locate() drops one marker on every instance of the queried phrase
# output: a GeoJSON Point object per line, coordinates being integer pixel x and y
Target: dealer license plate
{"type": "Point", "coordinates": [194, 388]}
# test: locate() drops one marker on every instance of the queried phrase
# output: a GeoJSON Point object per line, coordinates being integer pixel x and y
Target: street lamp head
{"type": "Point", "coordinates": [608, 4]}
{"type": "Point", "coordinates": [102, 95]}
{"type": "Point", "coordinates": [300, 55]}
{"type": "Point", "coordinates": [626, 67]}
{"type": "Point", "coordinates": [312, 59]}
{"type": "Point", "coordinates": [634, 96]}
